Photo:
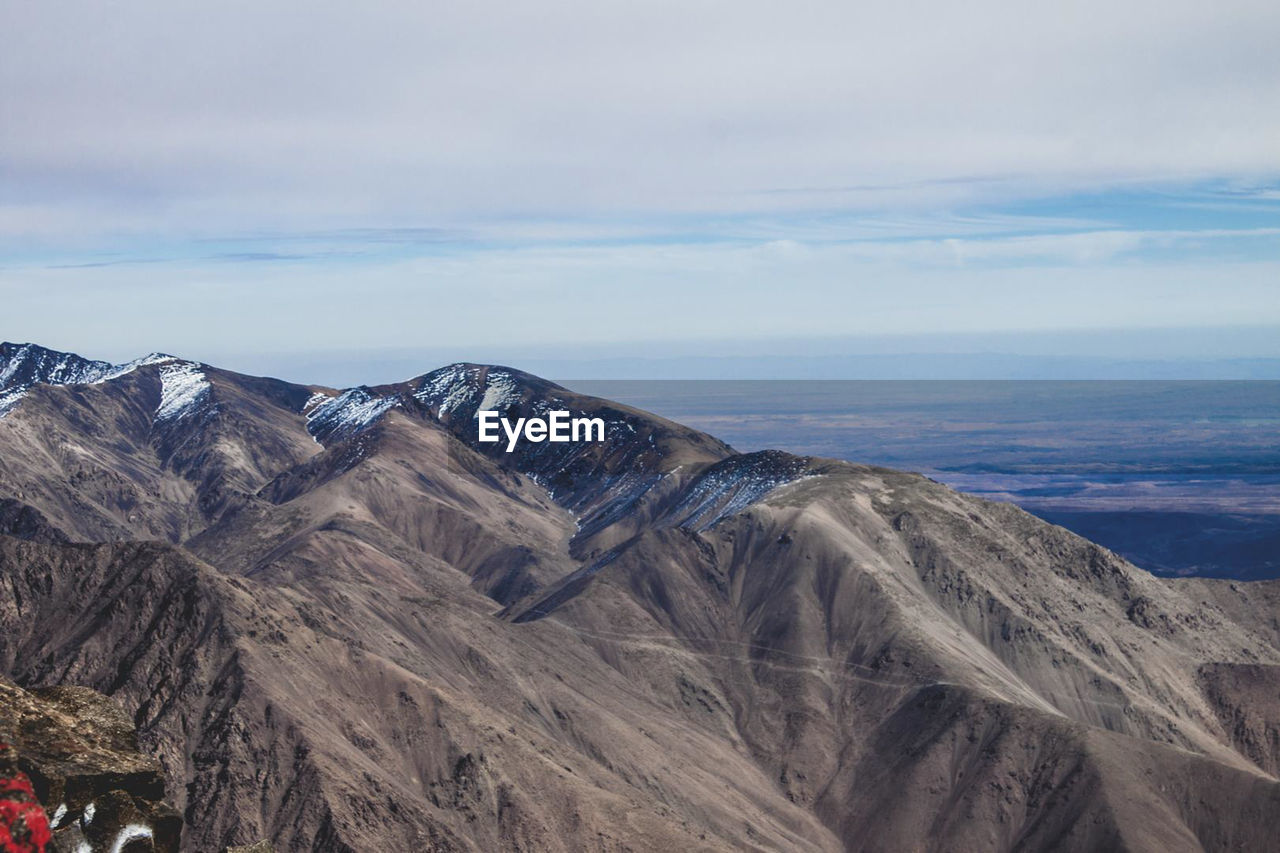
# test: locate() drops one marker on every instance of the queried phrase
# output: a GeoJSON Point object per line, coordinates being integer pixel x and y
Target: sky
{"type": "Point", "coordinates": [645, 188]}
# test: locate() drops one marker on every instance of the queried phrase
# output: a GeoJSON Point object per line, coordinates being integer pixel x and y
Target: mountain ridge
{"type": "Point", "coordinates": [375, 631]}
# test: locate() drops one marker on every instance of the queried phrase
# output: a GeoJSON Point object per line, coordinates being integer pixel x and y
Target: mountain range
{"type": "Point", "coordinates": [341, 623]}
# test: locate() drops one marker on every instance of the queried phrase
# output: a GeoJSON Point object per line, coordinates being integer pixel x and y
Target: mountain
{"type": "Point", "coordinates": [342, 623]}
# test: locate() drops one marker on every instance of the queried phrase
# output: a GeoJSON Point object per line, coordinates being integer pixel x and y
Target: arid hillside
{"type": "Point", "coordinates": [341, 623]}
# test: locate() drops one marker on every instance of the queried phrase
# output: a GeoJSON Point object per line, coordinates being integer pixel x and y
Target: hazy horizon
{"type": "Point", "coordinates": [1118, 354]}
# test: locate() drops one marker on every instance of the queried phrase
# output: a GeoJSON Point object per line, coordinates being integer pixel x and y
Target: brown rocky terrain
{"type": "Point", "coordinates": [75, 752]}
{"type": "Point", "coordinates": [342, 624]}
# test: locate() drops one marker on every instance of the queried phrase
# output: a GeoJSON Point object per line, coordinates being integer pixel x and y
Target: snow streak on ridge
{"type": "Point", "coordinates": [352, 411]}
{"type": "Point", "coordinates": [446, 388]}
{"type": "Point", "coordinates": [183, 390]}
{"type": "Point", "coordinates": [9, 400]}
{"type": "Point", "coordinates": [500, 392]}
{"type": "Point", "coordinates": [26, 365]}
{"type": "Point", "coordinates": [729, 487]}
{"type": "Point", "coordinates": [118, 370]}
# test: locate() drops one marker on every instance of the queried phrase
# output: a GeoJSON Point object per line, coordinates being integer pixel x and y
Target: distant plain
{"type": "Point", "coordinates": [1180, 477]}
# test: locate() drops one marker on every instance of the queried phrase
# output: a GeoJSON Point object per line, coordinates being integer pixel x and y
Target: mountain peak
{"type": "Point", "coordinates": [337, 418]}
{"type": "Point", "coordinates": [463, 388]}
{"type": "Point", "coordinates": [23, 366]}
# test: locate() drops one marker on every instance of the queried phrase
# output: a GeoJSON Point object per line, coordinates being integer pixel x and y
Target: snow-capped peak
{"type": "Point", "coordinates": [471, 388]}
{"type": "Point", "coordinates": [25, 365]}
{"type": "Point", "coordinates": [448, 388]}
{"type": "Point", "coordinates": [352, 411]}
{"type": "Point", "coordinates": [118, 370]}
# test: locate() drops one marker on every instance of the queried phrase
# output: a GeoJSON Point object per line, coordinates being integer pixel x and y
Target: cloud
{"type": "Point", "coordinates": [295, 115]}
{"type": "Point", "coordinates": [394, 173]}
{"type": "Point", "coordinates": [1084, 247]}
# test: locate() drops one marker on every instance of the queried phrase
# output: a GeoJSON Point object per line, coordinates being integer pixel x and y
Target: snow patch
{"type": "Point", "coordinates": [352, 411]}
{"type": "Point", "coordinates": [729, 487]}
{"type": "Point", "coordinates": [314, 400]}
{"type": "Point", "coordinates": [131, 833]}
{"type": "Point", "coordinates": [9, 400]}
{"type": "Point", "coordinates": [446, 389]}
{"type": "Point", "coordinates": [29, 364]}
{"type": "Point", "coordinates": [500, 392]}
{"type": "Point", "coordinates": [183, 390]}
{"type": "Point", "coordinates": [118, 370]}
{"type": "Point", "coordinates": [16, 361]}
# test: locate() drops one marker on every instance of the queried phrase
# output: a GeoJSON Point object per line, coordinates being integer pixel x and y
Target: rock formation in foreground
{"type": "Point", "coordinates": [72, 779]}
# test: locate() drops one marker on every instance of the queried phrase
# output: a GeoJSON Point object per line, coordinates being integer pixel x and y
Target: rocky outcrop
{"type": "Point", "coordinates": [72, 779]}
{"type": "Point", "coordinates": [25, 522]}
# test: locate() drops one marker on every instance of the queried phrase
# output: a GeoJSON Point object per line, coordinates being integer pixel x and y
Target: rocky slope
{"type": "Point", "coordinates": [354, 627]}
{"type": "Point", "coordinates": [69, 758]}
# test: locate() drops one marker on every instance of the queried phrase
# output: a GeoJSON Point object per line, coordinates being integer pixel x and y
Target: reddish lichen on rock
{"type": "Point", "coordinates": [24, 827]}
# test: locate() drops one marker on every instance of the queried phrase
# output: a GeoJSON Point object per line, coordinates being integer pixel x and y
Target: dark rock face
{"type": "Point", "coordinates": [74, 751]}
{"type": "Point", "coordinates": [26, 522]}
